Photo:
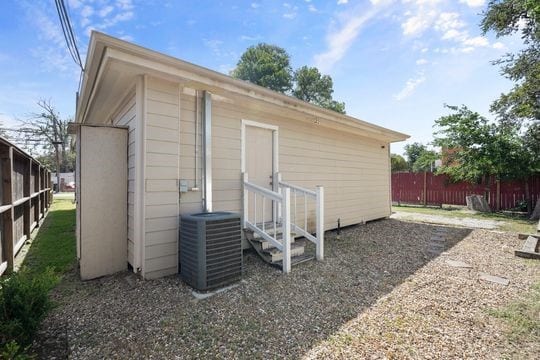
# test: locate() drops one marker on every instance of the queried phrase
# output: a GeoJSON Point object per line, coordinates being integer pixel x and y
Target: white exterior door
{"type": "Point", "coordinates": [259, 167]}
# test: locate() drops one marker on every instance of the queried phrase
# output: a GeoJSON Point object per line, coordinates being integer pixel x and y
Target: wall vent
{"type": "Point", "coordinates": [210, 249]}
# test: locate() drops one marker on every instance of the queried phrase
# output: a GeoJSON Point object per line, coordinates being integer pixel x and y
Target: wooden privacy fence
{"type": "Point", "coordinates": [429, 189]}
{"type": "Point", "coordinates": [25, 197]}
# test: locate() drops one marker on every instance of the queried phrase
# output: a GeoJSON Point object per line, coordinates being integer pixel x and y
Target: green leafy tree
{"type": "Point", "coordinates": [481, 147]}
{"type": "Point", "coordinates": [269, 66]}
{"type": "Point", "coordinates": [398, 163]}
{"type": "Point", "coordinates": [521, 105]}
{"type": "Point", "coordinates": [265, 65]}
{"type": "Point", "coordinates": [413, 152]}
{"type": "Point", "coordinates": [426, 161]}
{"type": "Point", "coordinates": [313, 87]}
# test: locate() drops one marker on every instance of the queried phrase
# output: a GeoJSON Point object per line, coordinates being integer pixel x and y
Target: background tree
{"type": "Point", "coordinates": [521, 105]}
{"type": "Point", "coordinates": [482, 148]}
{"type": "Point", "coordinates": [426, 161]}
{"type": "Point", "coordinates": [413, 152]}
{"type": "Point", "coordinates": [398, 163]}
{"type": "Point", "coordinates": [265, 65]}
{"type": "Point", "coordinates": [45, 135]}
{"type": "Point", "coordinates": [313, 87]}
{"type": "Point", "coordinates": [269, 66]}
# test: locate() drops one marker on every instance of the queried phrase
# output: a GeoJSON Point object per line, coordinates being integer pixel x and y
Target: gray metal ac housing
{"type": "Point", "coordinates": [210, 249]}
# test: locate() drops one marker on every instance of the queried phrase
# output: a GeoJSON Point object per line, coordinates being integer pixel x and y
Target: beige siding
{"type": "Point", "coordinates": [126, 117]}
{"type": "Point", "coordinates": [161, 176]}
{"type": "Point", "coordinates": [354, 170]}
{"type": "Point", "coordinates": [191, 201]}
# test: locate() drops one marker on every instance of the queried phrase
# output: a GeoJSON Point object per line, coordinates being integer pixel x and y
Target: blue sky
{"type": "Point", "coordinates": [394, 62]}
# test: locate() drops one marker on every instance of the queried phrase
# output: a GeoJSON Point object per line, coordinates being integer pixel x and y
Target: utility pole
{"type": "Point", "coordinates": [56, 143]}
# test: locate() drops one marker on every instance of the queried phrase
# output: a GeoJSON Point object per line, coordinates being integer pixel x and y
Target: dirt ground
{"type": "Point", "coordinates": [384, 290]}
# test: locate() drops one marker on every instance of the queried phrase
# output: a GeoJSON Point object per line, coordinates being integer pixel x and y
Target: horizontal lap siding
{"type": "Point", "coordinates": [126, 117]}
{"type": "Point", "coordinates": [354, 170]}
{"type": "Point", "coordinates": [191, 201]}
{"type": "Point", "coordinates": [161, 176]}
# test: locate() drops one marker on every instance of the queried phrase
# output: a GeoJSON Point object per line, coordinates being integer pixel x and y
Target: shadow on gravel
{"type": "Point", "coordinates": [267, 315]}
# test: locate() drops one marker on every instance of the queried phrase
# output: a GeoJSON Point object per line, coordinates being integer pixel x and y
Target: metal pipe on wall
{"type": "Point", "coordinates": [207, 150]}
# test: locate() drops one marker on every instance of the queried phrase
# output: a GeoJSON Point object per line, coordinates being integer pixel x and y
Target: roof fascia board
{"type": "Point", "coordinates": [216, 82]}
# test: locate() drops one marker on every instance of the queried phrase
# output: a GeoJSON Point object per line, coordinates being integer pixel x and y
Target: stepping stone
{"type": "Point", "coordinates": [435, 245]}
{"type": "Point", "coordinates": [494, 279]}
{"type": "Point", "coordinates": [438, 238]}
{"type": "Point", "coordinates": [458, 264]}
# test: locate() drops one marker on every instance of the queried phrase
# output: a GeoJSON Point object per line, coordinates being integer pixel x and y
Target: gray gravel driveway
{"type": "Point", "coordinates": [383, 291]}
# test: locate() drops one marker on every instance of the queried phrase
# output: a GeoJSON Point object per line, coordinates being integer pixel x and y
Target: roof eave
{"type": "Point", "coordinates": [99, 42]}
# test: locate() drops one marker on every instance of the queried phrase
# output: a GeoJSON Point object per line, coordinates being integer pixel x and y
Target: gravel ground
{"type": "Point", "coordinates": [380, 293]}
{"type": "Point", "coordinates": [439, 219]}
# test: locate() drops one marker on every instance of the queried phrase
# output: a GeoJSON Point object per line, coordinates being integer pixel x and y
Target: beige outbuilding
{"type": "Point", "coordinates": [160, 137]}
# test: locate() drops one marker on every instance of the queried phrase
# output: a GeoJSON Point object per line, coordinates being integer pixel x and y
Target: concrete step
{"type": "Point", "coordinates": [275, 255]}
{"type": "Point", "coordinates": [295, 260]}
{"type": "Point", "coordinates": [265, 245]}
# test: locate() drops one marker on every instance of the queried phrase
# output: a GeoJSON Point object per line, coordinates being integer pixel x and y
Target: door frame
{"type": "Point", "coordinates": [275, 148]}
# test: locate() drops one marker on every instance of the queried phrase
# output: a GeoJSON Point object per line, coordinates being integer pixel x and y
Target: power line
{"type": "Point", "coordinates": [67, 30]}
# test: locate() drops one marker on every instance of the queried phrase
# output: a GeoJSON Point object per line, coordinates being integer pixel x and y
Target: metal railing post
{"type": "Point", "coordinates": [246, 198]}
{"type": "Point", "coordinates": [320, 223]}
{"type": "Point", "coordinates": [286, 230]}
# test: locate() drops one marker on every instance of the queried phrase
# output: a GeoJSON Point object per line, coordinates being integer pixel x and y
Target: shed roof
{"type": "Point", "coordinates": [107, 53]}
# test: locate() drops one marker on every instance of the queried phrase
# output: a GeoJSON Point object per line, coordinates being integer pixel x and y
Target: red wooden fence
{"type": "Point", "coordinates": [430, 189]}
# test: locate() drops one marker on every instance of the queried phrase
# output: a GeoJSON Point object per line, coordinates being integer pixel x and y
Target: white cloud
{"type": "Point", "coordinates": [340, 38]}
{"type": "Point", "coordinates": [448, 21]}
{"type": "Point", "coordinates": [421, 62]}
{"type": "Point", "coordinates": [410, 87]}
{"type": "Point", "coordinates": [106, 16]}
{"type": "Point", "coordinates": [467, 49]}
{"type": "Point", "coordinates": [250, 38]}
{"type": "Point", "coordinates": [454, 34]}
{"type": "Point", "coordinates": [106, 11]}
{"type": "Point", "coordinates": [342, 2]}
{"type": "Point", "coordinates": [478, 41]}
{"type": "Point", "coordinates": [312, 8]}
{"type": "Point", "coordinates": [417, 24]}
{"type": "Point", "coordinates": [87, 11]}
{"type": "Point", "coordinates": [499, 46]}
{"type": "Point", "coordinates": [290, 12]}
{"type": "Point", "coordinates": [473, 3]}
{"type": "Point", "coordinates": [255, 5]}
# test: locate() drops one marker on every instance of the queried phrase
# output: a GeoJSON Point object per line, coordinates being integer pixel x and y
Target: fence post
{"type": "Point", "coordinates": [7, 199]}
{"type": "Point", "coordinates": [320, 223]}
{"type": "Point", "coordinates": [245, 198]}
{"type": "Point", "coordinates": [425, 188]}
{"type": "Point", "coordinates": [498, 195]}
{"type": "Point", "coordinates": [286, 230]}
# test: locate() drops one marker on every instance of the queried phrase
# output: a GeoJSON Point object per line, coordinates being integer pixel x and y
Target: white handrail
{"type": "Point", "coordinates": [259, 189]}
{"type": "Point", "coordinates": [281, 205]}
{"type": "Point", "coordinates": [298, 188]}
{"type": "Point", "coordinates": [281, 201]}
{"type": "Point", "coordinates": [318, 196]}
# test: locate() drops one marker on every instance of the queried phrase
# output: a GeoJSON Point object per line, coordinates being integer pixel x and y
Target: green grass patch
{"type": "Point", "coordinates": [512, 223]}
{"type": "Point", "coordinates": [54, 246]}
{"type": "Point", "coordinates": [24, 296]}
{"type": "Point", "coordinates": [523, 317]}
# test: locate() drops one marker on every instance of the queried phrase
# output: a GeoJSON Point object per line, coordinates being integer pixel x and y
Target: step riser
{"type": "Point", "coordinates": [268, 245]}
{"type": "Point", "coordinates": [278, 256]}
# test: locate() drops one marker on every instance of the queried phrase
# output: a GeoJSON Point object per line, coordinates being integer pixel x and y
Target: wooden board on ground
{"type": "Point", "coordinates": [529, 249]}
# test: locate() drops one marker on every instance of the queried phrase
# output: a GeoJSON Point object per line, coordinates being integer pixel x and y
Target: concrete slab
{"type": "Point", "coordinates": [201, 296]}
{"type": "Point", "coordinates": [494, 279]}
{"type": "Point", "coordinates": [458, 264]}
